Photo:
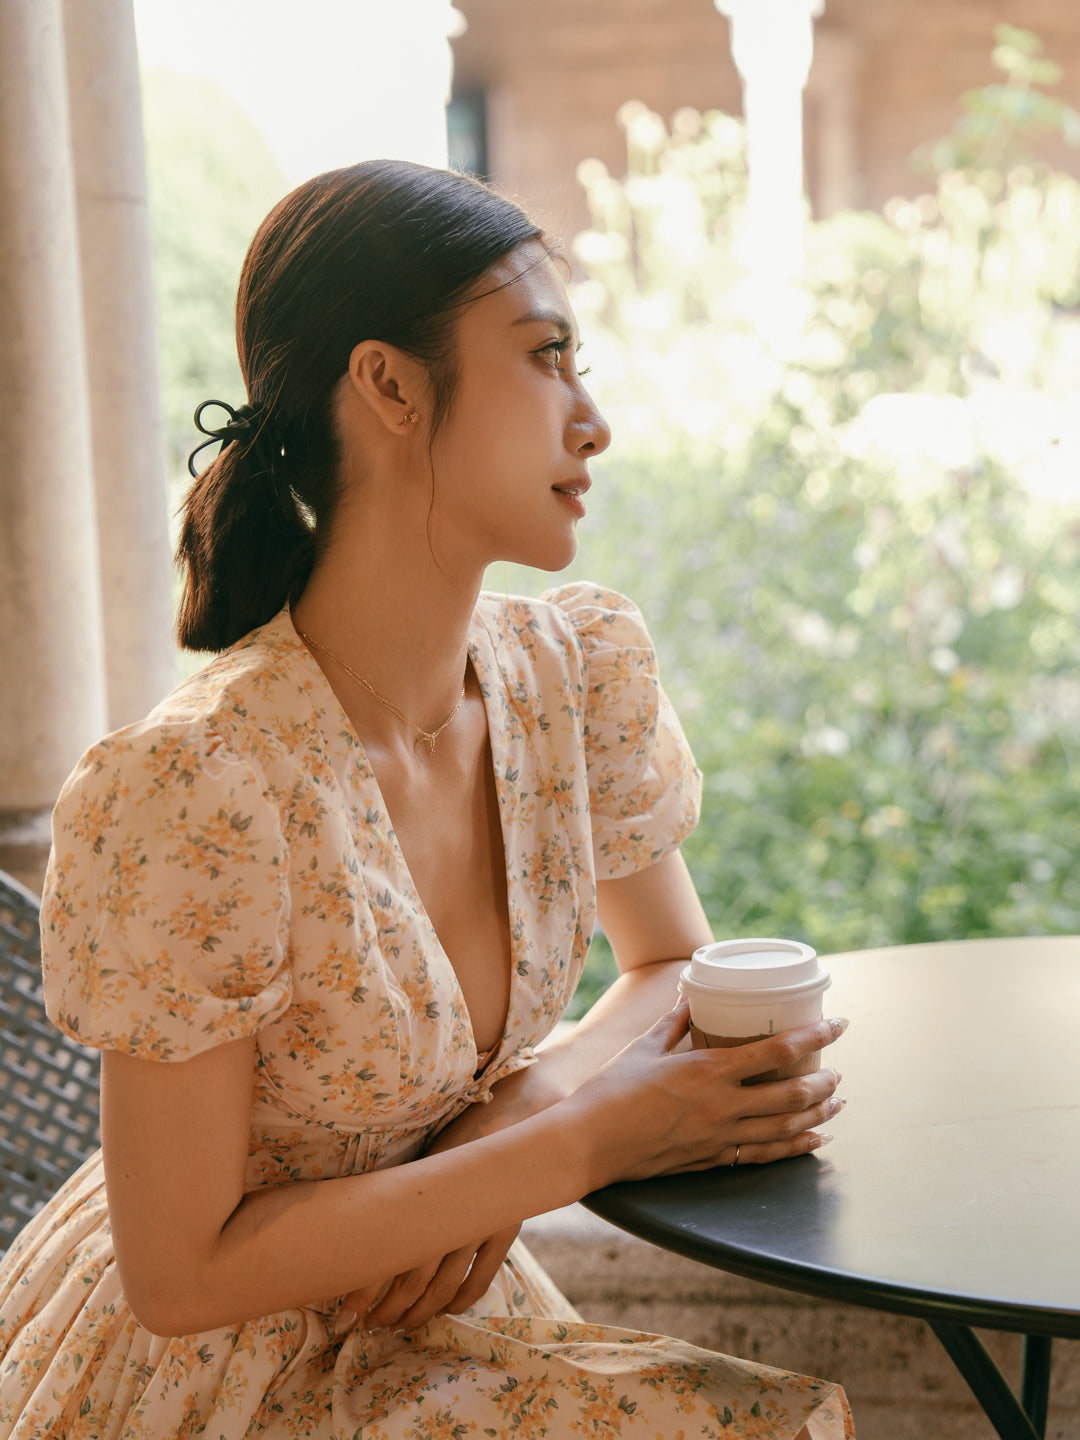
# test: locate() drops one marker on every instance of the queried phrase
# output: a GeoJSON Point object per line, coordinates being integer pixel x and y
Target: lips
{"type": "Point", "coordinates": [576, 488]}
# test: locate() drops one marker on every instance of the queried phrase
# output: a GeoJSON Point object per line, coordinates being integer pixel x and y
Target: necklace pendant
{"type": "Point", "coordinates": [428, 736]}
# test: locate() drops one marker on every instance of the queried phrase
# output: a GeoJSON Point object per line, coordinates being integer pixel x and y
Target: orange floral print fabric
{"type": "Point", "coordinates": [226, 868]}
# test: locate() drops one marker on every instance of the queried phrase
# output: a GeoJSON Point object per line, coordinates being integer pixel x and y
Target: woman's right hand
{"type": "Point", "coordinates": [655, 1112]}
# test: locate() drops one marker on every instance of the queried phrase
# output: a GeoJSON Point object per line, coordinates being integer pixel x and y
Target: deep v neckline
{"type": "Point", "coordinates": [483, 1058]}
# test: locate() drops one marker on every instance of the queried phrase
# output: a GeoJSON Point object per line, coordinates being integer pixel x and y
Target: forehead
{"type": "Point", "coordinates": [522, 284]}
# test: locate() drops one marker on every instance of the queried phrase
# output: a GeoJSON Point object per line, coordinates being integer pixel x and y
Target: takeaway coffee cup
{"type": "Point", "coordinates": [743, 990]}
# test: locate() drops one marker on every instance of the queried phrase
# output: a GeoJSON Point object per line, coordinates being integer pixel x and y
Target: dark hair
{"type": "Point", "coordinates": [383, 250]}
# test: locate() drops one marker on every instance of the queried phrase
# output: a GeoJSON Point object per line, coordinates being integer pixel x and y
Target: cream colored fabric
{"type": "Point", "coordinates": [227, 868]}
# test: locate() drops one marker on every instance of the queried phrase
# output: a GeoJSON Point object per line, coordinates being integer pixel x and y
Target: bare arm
{"type": "Point", "coordinates": [196, 1252]}
{"type": "Point", "coordinates": [175, 1138]}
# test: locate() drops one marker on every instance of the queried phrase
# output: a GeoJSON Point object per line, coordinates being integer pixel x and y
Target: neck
{"type": "Point", "coordinates": [402, 625]}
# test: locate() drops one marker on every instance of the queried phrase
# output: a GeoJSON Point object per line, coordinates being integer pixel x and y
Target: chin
{"type": "Point", "coordinates": [552, 557]}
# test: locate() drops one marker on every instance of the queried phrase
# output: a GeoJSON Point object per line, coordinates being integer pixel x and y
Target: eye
{"type": "Point", "coordinates": [556, 349]}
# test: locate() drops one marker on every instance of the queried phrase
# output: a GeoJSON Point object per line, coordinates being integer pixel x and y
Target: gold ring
{"type": "Point", "coordinates": [736, 1160]}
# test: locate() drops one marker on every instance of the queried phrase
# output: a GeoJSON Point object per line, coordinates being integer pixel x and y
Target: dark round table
{"type": "Point", "coordinates": [952, 1188]}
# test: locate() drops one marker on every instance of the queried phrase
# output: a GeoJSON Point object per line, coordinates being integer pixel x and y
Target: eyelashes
{"type": "Point", "coordinates": [558, 348]}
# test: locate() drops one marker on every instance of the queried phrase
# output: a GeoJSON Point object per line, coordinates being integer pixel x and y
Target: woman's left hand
{"type": "Point", "coordinates": [451, 1284]}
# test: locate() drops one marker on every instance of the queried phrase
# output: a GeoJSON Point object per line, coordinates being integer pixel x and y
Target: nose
{"type": "Point", "coordinates": [592, 433]}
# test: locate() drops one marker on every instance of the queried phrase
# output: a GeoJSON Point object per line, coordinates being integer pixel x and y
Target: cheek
{"type": "Point", "coordinates": [508, 423]}
{"type": "Point", "coordinates": [506, 419]}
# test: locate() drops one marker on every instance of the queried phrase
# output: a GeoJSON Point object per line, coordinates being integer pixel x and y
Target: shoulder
{"type": "Point", "coordinates": [246, 689]}
{"type": "Point", "coordinates": [574, 621]}
{"type": "Point", "coordinates": [216, 730]}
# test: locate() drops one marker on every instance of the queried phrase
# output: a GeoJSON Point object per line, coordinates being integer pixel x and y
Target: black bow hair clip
{"type": "Point", "coordinates": [246, 424]}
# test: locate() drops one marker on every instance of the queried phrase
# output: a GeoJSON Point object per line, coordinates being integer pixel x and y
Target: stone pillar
{"type": "Point", "coordinates": [51, 654]}
{"type": "Point", "coordinates": [772, 42]}
{"type": "Point", "coordinates": [121, 346]}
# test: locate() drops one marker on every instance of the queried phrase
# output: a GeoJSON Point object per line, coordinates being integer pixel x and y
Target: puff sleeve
{"type": "Point", "coordinates": [644, 787]}
{"type": "Point", "coordinates": [165, 915]}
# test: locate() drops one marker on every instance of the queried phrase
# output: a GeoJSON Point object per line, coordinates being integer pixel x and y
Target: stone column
{"type": "Point", "coordinates": [51, 655]}
{"type": "Point", "coordinates": [121, 345]}
{"type": "Point", "coordinates": [772, 42]}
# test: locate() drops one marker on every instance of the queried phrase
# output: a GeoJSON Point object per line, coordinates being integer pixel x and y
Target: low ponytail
{"type": "Point", "coordinates": [385, 250]}
{"type": "Point", "coordinates": [247, 538]}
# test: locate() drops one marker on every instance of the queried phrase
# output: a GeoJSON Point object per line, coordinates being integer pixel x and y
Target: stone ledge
{"type": "Point", "coordinates": [900, 1382]}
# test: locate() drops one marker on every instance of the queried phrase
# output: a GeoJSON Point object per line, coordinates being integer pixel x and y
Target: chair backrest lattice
{"type": "Point", "coordinates": [49, 1116]}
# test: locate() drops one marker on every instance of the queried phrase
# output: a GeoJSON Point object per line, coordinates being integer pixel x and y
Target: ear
{"type": "Point", "coordinates": [389, 383]}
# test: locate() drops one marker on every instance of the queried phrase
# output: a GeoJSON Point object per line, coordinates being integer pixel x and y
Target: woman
{"type": "Point", "coordinates": [320, 906]}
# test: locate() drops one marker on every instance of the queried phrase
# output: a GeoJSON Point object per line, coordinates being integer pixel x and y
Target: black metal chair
{"type": "Point", "coordinates": [49, 1114]}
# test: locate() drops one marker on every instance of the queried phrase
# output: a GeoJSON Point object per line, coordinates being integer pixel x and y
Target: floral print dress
{"type": "Point", "coordinates": [226, 868]}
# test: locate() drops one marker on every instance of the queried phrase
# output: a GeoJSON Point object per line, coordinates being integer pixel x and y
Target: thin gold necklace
{"type": "Point", "coordinates": [429, 735]}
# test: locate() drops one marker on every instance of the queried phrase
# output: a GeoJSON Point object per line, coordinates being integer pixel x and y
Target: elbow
{"type": "Point", "coordinates": [162, 1316]}
{"type": "Point", "coordinates": [169, 1305]}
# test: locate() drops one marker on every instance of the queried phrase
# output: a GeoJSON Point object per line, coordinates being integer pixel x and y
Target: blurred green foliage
{"type": "Point", "coordinates": [212, 178]}
{"type": "Point", "coordinates": [998, 122]}
{"type": "Point", "coordinates": [859, 554]}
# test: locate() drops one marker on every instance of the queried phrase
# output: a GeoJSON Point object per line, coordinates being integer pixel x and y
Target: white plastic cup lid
{"type": "Point", "coordinates": [755, 964]}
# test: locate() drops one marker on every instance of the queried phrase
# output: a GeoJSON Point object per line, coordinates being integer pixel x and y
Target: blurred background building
{"type": "Point", "coordinates": [537, 87]}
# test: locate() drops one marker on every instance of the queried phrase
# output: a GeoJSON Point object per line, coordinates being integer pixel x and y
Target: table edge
{"type": "Point", "coordinates": [840, 1287]}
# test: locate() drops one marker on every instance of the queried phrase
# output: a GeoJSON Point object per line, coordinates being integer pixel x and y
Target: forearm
{"type": "Point", "coordinates": [514, 1157]}
{"type": "Point", "coordinates": [623, 1012]}
{"type": "Point", "coordinates": [293, 1244]}
{"type": "Point", "coordinates": [529, 1150]}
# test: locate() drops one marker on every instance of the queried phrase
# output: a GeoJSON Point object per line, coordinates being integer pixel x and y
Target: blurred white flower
{"type": "Point", "coordinates": [826, 740]}
{"type": "Point", "coordinates": [1007, 588]}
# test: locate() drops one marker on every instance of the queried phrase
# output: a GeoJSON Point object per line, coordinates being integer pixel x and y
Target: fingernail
{"type": "Point", "coordinates": [836, 1104]}
{"type": "Point", "coordinates": [839, 1077]}
{"type": "Point", "coordinates": [839, 1025]}
{"type": "Point", "coordinates": [822, 1140]}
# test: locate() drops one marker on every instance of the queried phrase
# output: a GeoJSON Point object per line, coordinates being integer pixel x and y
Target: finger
{"type": "Point", "coordinates": [752, 1153]}
{"type": "Point", "coordinates": [787, 1126]}
{"type": "Point", "coordinates": [361, 1301]}
{"type": "Point", "coordinates": [791, 1096]}
{"type": "Point", "coordinates": [405, 1289]}
{"type": "Point", "coordinates": [485, 1267]}
{"type": "Point", "coordinates": [440, 1290]}
{"type": "Point", "coordinates": [804, 1144]}
{"type": "Point", "coordinates": [784, 1051]}
{"type": "Point", "coordinates": [672, 1026]}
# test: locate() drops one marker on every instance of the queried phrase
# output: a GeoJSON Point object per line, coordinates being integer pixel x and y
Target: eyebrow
{"type": "Point", "coordinates": [549, 317]}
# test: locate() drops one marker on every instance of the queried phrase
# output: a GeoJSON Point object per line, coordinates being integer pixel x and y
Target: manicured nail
{"type": "Point", "coordinates": [839, 1025]}
{"type": "Point", "coordinates": [836, 1104]}
{"type": "Point", "coordinates": [822, 1140]}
